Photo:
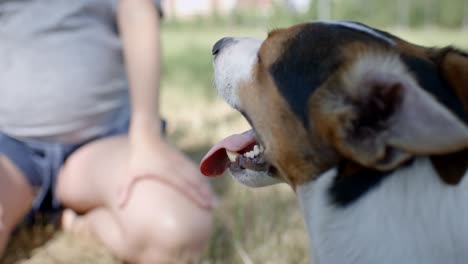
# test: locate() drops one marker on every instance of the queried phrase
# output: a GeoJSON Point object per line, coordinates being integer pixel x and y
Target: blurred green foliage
{"type": "Point", "coordinates": [379, 13]}
{"type": "Point", "coordinates": [187, 59]}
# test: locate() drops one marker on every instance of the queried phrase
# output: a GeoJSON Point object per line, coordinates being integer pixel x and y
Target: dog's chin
{"type": "Point", "coordinates": [254, 178]}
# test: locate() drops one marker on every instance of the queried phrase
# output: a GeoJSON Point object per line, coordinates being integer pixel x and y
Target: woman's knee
{"type": "Point", "coordinates": [70, 185]}
{"type": "Point", "coordinates": [65, 189]}
{"type": "Point", "coordinates": [189, 234]}
{"type": "Point", "coordinates": [165, 224]}
{"type": "Point", "coordinates": [91, 173]}
{"type": "Point", "coordinates": [175, 240]}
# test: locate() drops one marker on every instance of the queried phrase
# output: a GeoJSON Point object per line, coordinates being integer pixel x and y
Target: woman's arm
{"type": "Point", "coordinates": [138, 22]}
{"type": "Point", "coordinates": [150, 156]}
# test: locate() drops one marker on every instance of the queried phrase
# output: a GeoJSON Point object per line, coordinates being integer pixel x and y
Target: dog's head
{"type": "Point", "coordinates": [319, 93]}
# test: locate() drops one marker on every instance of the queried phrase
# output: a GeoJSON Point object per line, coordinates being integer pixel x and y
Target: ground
{"type": "Point", "coordinates": [252, 225]}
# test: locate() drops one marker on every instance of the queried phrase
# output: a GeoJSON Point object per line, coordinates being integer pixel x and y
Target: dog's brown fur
{"type": "Point", "coordinates": [300, 152]}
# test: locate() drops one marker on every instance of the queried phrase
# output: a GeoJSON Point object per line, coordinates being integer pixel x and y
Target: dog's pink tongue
{"type": "Point", "coordinates": [216, 160]}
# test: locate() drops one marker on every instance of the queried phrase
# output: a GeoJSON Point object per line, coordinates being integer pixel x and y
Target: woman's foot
{"type": "Point", "coordinates": [73, 223]}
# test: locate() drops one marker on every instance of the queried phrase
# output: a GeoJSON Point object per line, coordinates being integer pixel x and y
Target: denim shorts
{"type": "Point", "coordinates": [40, 162]}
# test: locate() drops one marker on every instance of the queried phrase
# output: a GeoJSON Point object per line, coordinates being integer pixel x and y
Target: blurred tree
{"type": "Point", "coordinates": [298, 6]}
{"type": "Point", "coordinates": [403, 12]}
{"type": "Point", "coordinates": [324, 9]}
{"type": "Point", "coordinates": [465, 14]}
{"type": "Point", "coordinates": [377, 13]}
{"type": "Point", "coordinates": [429, 13]}
{"type": "Point", "coordinates": [215, 6]}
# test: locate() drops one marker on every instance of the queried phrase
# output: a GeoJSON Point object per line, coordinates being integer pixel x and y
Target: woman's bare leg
{"type": "Point", "coordinates": [100, 223]}
{"type": "Point", "coordinates": [156, 225]}
{"type": "Point", "coordinates": [16, 197]}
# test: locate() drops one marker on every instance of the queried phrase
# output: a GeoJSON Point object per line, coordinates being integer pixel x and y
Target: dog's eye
{"type": "Point", "coordinates": [259, 59]}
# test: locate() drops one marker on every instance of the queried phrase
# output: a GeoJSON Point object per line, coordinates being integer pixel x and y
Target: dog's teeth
{"type": "Point", "coordinates": [232, 155]}
{"type": "Point", "coordinates": [256, 150]}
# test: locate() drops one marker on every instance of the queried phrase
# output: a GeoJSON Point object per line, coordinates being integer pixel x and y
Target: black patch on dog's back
{"type": "Point", "coordinates": [353, 181]}
{"type": "Point", "coordinates": [451, 167]}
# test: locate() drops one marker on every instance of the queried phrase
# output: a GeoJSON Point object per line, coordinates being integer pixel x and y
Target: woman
{"type": "Point", "coordinates": [78, 122]}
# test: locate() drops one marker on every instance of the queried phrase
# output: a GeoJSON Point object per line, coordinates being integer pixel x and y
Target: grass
{"type": "Point", "coordinates": [252, 225]}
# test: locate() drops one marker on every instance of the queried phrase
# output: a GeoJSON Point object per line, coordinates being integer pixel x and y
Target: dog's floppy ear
{"type": "Point", "coordinates": [375, 113]}
{"type": "Point", "coordinates": [453, 67]}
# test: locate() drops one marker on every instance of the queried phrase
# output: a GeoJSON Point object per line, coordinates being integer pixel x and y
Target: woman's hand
{"type": "Point", "coordinates": [153, 158]}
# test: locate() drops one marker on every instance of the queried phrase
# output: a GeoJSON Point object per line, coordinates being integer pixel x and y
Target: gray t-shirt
{"type": "Point", "coordinates": [62, 76]}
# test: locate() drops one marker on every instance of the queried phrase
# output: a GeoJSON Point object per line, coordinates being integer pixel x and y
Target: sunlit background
{"type": "Point", "coordinates": [252, 226]}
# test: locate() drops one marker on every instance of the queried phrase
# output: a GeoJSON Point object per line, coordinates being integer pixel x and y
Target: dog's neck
{"type": "Point", "coordinates": [410, 217]}
{"type": "Point", "coordinates": [310, 195]}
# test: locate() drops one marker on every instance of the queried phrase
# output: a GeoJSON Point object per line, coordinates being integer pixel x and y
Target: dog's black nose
{"type": "Point", "coordinates": [220, 44]}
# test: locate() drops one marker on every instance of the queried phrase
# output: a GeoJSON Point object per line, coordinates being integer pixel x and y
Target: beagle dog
{"type": "Point", "coordinates": [368, 129]}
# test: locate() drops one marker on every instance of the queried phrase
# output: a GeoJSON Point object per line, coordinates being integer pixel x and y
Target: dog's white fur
{"type": "Point", "coordinates": [231, 67]}
{"type": "Point", "coordinates": [414, 216]}
{"type": "Point", "coordinates": [235, 65]}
